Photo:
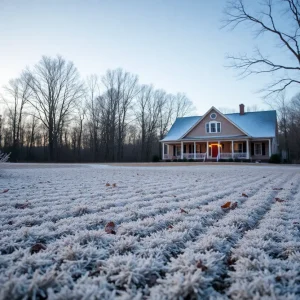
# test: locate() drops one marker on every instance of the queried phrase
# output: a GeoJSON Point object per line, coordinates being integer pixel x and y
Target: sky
{"type": "Point", "coordinates": [176, 45]}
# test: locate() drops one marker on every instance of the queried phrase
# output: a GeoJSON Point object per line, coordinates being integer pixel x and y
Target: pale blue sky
{"type": "Point", "coordinates": [176, 45]}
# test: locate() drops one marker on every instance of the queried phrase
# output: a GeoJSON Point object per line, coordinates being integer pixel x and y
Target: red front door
{"type": "Point", "coordinates": [214, 150]}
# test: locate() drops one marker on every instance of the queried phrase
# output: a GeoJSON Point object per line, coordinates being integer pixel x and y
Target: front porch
{"type": "Point", "coordinates": [216, 150]}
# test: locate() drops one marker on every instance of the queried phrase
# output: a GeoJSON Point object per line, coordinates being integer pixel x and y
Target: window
{"type": "Point", "coordinates": [213, 115]}
{"type": "Point", "coordinates": [213, 126]}
{"type": "Point", "coordinates": [257, 149]}
{"type": "Point", "coordinates": [178, 150]}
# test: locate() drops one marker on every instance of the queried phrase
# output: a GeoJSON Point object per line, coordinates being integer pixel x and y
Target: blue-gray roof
{"type": "Point", "coordinates": [255, 124]}
{"type": "Point", "coordinates": [180, 127]}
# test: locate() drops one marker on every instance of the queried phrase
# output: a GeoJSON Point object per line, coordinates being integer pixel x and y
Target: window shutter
{"type": "Point", "coordinates": [174, 148]}
{"type": "Point", "coordinates": [263, 148]}
{"type": "Point", "coordinates": [207, 127]}
{"type": "Point", "coordinates": [184, 148]}
{"type": "Point", "coordinates": [252, 148]}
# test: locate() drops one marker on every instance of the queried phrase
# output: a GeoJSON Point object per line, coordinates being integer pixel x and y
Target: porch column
{"type": "Point", "coordinates": [270, 148]}
{"type": "Point", "coordinates": [232, 150]}
{"type": "Point", "coordinates": [247, 148]}
{"type": "Point", "coordinates": [207, 152]}
{"type": "Point", "coordinates": [181, 150]}
{"type": "Point", "coordinates": [194, 150]}
{"type": "Point", "coordinates": [163, 151]}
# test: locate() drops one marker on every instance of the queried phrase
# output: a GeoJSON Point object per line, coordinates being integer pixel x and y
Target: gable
{"type": "Point", "coordinates": [227, 128]}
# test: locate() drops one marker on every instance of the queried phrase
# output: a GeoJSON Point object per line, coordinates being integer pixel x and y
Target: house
{"type": "Point", "coordinates": [214, 136]}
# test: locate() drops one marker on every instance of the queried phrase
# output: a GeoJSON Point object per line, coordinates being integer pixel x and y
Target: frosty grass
{"type": "Point", "coordinates": [173, 240]}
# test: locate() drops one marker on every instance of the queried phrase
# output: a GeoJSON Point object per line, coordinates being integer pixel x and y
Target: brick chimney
{"type": "Point", "coordinates": [242, 109]}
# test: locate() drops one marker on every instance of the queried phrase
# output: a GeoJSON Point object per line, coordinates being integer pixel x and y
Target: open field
{"type": "Point", "coordinates": [171, 239]}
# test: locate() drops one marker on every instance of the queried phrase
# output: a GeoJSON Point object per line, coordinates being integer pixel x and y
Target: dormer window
{"type": "Point", "coordinates": [213, 127]}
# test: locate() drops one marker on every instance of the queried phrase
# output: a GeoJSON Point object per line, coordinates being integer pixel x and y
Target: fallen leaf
{"type": "Point", "coordinates": [107, 184]}
{"type": "Point", "coordinates": [226, 205]}
{"type": "Point", "coordinates": [279, 200]}
{"type": "Point", "coordinates": [114, 185]}
{"type": "Point", "coordinates": [110, 228]}
{"type": "Point", "coordinates": [37, 248]}
{"type": "Point", "coordinates": [183, 211]}
{"type": "Point", "coordinates": [245, 195]}
{"type": "Point", "coordinates": [174, 196]}
{"type": "Point", "coordinates": [231, 261]}
{"type": "Point", "coordinates": [22, 205]}
{"type": "Point", "coordinates": [200, 265]}
{"type": "Point", "coordinates": [234, 205]}
{"type": "Point", "coordinates": [296, 223]}
{"type": "Point", "coordinates": [170, 227]}
{"type": "Point", "coordinates": [5, 191]}
{"type": "Point", "coordinates": [277, 189]}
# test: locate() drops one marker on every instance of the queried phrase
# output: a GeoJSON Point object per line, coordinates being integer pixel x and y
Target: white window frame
{"type": "Point", "coordinates": [258, 154]}
{"type": "Point", "coordinates": [216, 126]}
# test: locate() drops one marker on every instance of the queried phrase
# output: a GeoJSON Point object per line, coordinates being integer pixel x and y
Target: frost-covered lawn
{"type": "Point", "coordinates": [172, 238]}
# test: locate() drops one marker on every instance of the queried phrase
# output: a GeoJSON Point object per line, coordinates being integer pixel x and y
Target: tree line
{"type": "Point", "coordinates": [52, 114]}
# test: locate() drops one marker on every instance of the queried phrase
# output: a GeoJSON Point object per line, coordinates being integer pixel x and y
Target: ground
{"type": "Point", "coordinates": [170, 237]}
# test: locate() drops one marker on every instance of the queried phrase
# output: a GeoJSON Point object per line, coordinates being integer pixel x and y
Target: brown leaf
{"type": "Point", "coordinates": [234, 205]}
{"type": "Point", "coordinates": [279, 200]}
{"type": "Point", "coordinates": [183, 211]}
{"type": "Point", "coordinates": [200, 265]}
{"type": "Point", "coordinates": [22, 205]}
{"type": "Point", "coordinates": [231, 261]}
{"type": "Point", "coordinates": [107, 184]}
{"type": "Point", "coordinates": [37, 248]}
{"type": "Point", "coordinates": [245, 195]}
{"type": "Point", "coordinates": [5, 191]}
{"type": "Point", "coordinates": [170, 227]}
{"type": "Point", "coordinates": [174, 196]}
{"type": "Point", "coordinates": [296, 223]}
{"type": "Point", "coordinates": [226, 205]}
{"type": "Point", "coordinates": [114, 185]}
{"type": "Point", "coordinates": [277, 189]}
{"type": "Point", "coordinates": [110, 228]}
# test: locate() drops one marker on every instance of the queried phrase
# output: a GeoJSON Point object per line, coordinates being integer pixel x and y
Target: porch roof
{"type": "Point", "coordinates": [213, 138]}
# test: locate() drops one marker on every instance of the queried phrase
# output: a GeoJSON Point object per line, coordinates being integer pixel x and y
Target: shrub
{"type": "Point", "coordinates": [275, 159]}
{"type": "Point", "coordinates": [191, 160]}
{"type": "Point", "coordinates": [185, 159]}
{"type": "Point", "coordinates": [180, 160]}
{"type": "Point", "coordinates": [155, 158]}
{"type": "Point", "coordinates": [175, 160]}
{"type": "Point", "coordinates": [168, 160]}
{"type": "Point", "coordinates": [230, 159]}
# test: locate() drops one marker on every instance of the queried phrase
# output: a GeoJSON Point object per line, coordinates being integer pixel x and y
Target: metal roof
{"type": "Point", "coordinates": [256, 124]}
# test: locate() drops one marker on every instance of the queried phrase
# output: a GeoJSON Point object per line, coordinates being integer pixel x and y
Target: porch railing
{"type": "Point", "coordinates": [199, 156]}
{"type": "Point", "coordinates": [240, 155]}
{"type": "Point", "coordinates": [225, 155]}
{"type": "Point", "coordinates": [235, 155]}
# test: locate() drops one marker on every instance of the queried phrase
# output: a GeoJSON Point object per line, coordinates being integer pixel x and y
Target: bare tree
{"type": "Point", "coordinates": [93, 111]}
{"type": "Point", "coordinates": [17, 93]}
{"type": "Point", "coordinates": [183, 106]}
{"type": "Point", "coordinates": [56, 89]}
{"type": "Point", "coordinates": [278, 19]}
